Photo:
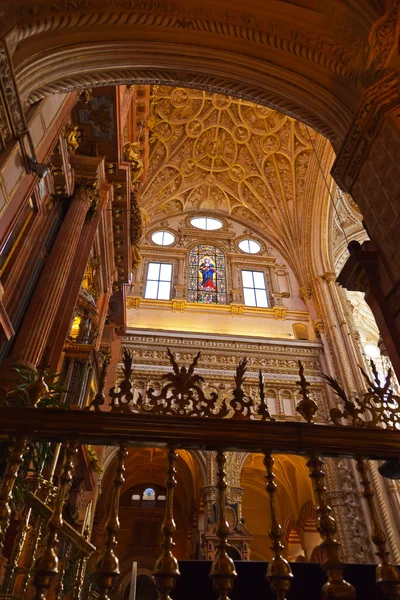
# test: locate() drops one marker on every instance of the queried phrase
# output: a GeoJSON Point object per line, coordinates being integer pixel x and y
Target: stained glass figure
{"type": "Point", "coordinates": [207, 281]}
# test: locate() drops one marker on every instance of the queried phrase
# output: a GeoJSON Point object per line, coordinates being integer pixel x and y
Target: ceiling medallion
{"type": "Point", "coordinates": [237, 173]}
{"type": "Point", "coordinates": [241, 134]}
{"type": "Point", "coordinates": [215, 149]}
{"type": "Point", "coordinates": [221, 102]}
{"type": "Point", "coordinates": [179, 98]}
{"type": "Point", "coordinates": [262, 111]}
{"type": "Point", "coordinates": [163, 130]}
{"type": "Point", "coordinates": [188, 167]}
{"type": "Point", "coordinates": [270, 144]}
{"type": "Point", "coordinates": [194, 128]}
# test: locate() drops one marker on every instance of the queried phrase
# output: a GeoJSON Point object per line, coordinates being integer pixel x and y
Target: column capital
{"type": "Point", "coordinates": [87, 191]}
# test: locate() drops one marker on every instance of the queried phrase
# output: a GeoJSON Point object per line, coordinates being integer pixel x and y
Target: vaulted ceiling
{"type": "Point", "coordinates": [210, 152]}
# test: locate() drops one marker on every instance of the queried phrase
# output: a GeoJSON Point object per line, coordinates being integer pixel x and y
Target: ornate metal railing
{"type": "Point", "coordinates": [181, 416]}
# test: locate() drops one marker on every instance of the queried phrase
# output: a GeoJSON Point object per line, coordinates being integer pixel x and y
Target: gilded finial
{"type": "Point", "coordinates": [306, 407]}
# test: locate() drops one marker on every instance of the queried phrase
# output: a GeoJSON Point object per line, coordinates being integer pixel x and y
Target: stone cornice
{"type": "Point", "coordinates": [378, 100]}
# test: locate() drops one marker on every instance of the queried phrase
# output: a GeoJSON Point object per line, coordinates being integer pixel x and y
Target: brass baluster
{"type": "Point", "coordinates": [107, 569]}
{"type": "Point", "coordinates": [387, 576]}
{"type": "Point", "coordinates": [46, 567]}
{"type": "Point", "coordinates": [223, 573]}
{"type": "Point", "coordinates": [279, 572]}
{"type": "Point", "coordinates": [81, 569]}
{"type": "Point", "coordinates": [336, 587]}
{"type": "Point", "coordinates": [60, 584]}
{"type": "Point", "coordinates": [166, 571]}
{"type": "Point", "coordinates": [16, 553]}
{"type": "Point", "coordinates": [35, 542]}
{"type": "Point", "coordinates": [14, 462]}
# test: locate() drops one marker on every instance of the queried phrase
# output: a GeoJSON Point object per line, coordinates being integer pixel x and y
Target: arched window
{"type": "Point", "coordinates": [207, 281]}
{"type": "Point", "coordinates": [149, 495]}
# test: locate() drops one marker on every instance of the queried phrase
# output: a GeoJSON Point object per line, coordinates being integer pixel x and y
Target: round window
{"type": "Point", "coordinates": [163, 238]}
{"type": "Point", "coordinates": [206, 223]}
{"type": "Point", "coordinates": [249, 246]}
{"type": "Point", "coordinates": [372, 351]}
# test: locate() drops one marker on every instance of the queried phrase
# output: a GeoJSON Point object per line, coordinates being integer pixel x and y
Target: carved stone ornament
{"type": "Point", "coordinates": [379, 99]}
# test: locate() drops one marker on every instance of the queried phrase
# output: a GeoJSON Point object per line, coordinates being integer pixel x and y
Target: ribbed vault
{"type": "Point", "coordinates": [214, 153]}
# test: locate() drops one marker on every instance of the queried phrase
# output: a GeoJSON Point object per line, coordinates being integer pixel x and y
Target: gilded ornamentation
{"type": "Point", "coordinates": [305, 293]}
{"type": "Point", "coordinates": [183, 394]}
{"type": "Point", "coordinates": [232, 155]}
{"type": "Point", "coordinates": [132, 152]}
{"type": "Point", "coordinates": [307, 407]}
{"type": "Point", "coordinates": [136, 230]}
{"type": "Point", "coordinates": [73, 137]}
{"type": "Point", "coordinates": [85, 96]}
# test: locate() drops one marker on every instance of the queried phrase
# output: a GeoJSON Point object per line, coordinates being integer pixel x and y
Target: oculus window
{"type": "Point", "coordinates": [207, 281]}
{"type": "Point", "coordinates": [254, 289]}
{"type": "Point", "coordinates": [162, 238]}
{"type": "Point", "coordinates": [249, 246]}
{"type": "Point", "coordinates": [206, 223]}
{"type": "Point", "coordinates": [158, 284]}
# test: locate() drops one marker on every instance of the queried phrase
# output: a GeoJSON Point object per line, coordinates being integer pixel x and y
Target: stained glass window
{"type": "Point", "coordinates": [207, 281]}
{"type": "Point", "coordinates": [149, 494]}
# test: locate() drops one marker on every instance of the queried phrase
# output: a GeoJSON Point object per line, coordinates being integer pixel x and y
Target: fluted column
{"type": "Point", "coordinates": [33, 337]}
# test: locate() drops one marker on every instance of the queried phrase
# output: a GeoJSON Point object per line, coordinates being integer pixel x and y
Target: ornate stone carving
{"type": "Point", "coordinates": [383, 37]}
{"type": "Point", "coordinates": [379, 99]}
{"type": "Point", "coordinates": [213, 151]}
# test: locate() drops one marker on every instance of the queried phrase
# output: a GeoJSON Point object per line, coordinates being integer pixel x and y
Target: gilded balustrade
{"type": "Point", "coordinates": [366, 426]}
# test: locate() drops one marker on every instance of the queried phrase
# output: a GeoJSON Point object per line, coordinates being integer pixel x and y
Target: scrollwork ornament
{"type": "Point", "coordinates": [122, 395]}
{"type": "Point", "coordinates": [183, 395]}
{"type": "Point", "coordinates": [378, 407]}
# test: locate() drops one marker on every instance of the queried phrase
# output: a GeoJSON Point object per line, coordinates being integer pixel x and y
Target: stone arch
{"type": "Point", "coordinates": [294, 488]}
{"type": "Point", "coordinates": [310, 73]}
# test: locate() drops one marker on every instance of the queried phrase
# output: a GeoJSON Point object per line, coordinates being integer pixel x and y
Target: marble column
{"type": "Point", "coordinates": [32, 341]}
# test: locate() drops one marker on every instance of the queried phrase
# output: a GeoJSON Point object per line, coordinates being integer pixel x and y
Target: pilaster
{"type": "Point", "coordinates": [33, 339]}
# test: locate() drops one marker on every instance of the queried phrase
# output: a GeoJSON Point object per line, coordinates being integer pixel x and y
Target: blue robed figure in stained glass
{"type": "Point", "coordinates": [207, 271]}
{"type": "Point", "coordinates": [207, 282]}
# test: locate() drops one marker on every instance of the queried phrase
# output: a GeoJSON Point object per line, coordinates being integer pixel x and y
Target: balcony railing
{"type": "Point", "coordinates": [180, 416]}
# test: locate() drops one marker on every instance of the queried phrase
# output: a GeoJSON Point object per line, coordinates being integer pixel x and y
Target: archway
{"type": "Point", "coordinates": [211, 46]}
